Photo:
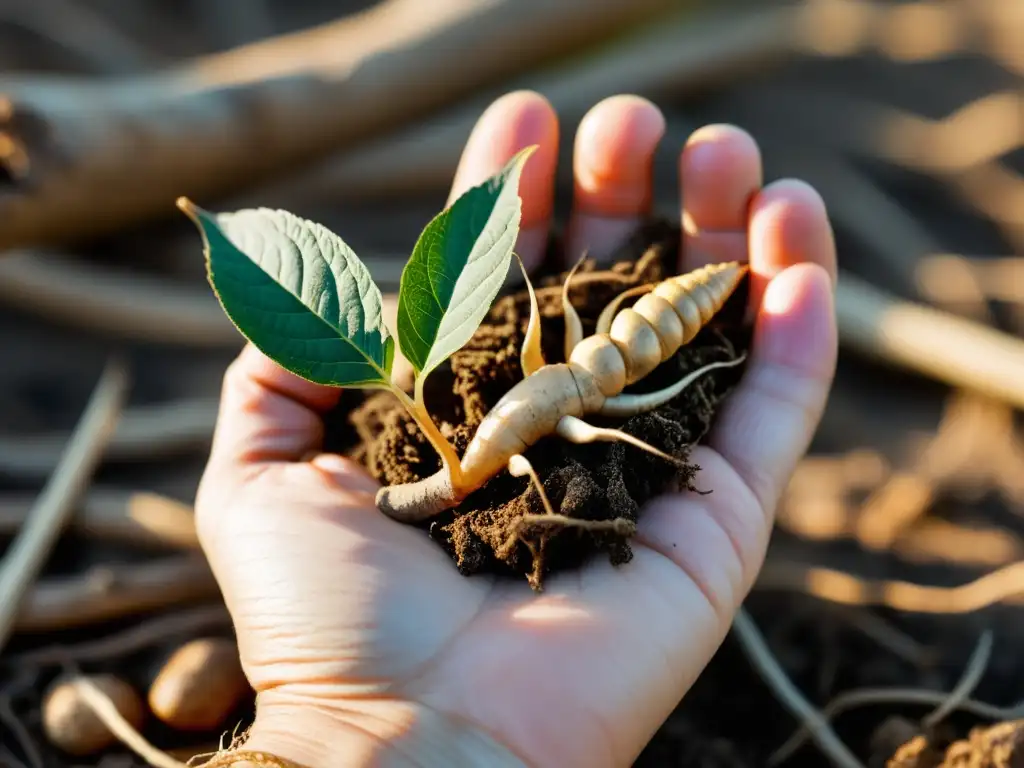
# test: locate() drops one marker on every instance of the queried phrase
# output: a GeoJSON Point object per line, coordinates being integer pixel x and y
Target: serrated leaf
{"type": "Point", "coordinates": [298, 293]}
{"type": "Point", "coordinates": [457, 268]}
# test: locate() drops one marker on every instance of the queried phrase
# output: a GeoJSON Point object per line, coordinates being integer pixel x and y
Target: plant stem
{"type": "Point", "coordinates": [419, 412]}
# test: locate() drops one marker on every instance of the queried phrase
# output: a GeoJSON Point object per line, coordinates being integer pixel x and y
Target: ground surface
{"type": "Point", "coordinates": [849, 506]}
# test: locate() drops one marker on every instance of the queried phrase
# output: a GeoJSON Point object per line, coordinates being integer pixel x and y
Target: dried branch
{"type": "Point", "coordinates": [104, 154]}
{"type": "Point", "coordinates": [775, 677]}
{"type": "Point", "coordinates": [1005, 585]}
{"type": "Point", "coordinates": [28, 553]}
{"type": "Point", "coordinates": [129, 517]}
{"type": "Point", "coordinates": [951, 349]}
{"type": "Point", "coordinates": [142, 635]}
{"type": "Point", "coordinates": [689, 53]}
{"type": "Point", "coordinates": [82, 31]}
{"type": "Point", "coordinates": [134, 306]}
{"type": "Point", "coordinates": [947, 703]}
{"type": "Point", "coordinates": [144, 433]}
{"type": "Point", "coordinates": [113, 592]}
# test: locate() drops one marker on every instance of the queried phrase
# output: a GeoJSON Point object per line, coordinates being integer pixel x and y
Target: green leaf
{"type": "Point", "coordinates": [298, 293]}
{"type": "Point", "coordinates": [457, 268]}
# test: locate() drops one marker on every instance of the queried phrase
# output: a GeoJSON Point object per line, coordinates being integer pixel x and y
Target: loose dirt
{"type": "Point", "coordinates": [600, 488]}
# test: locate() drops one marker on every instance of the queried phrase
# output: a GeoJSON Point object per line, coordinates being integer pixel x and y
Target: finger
{"type": "Point", "coordinates": [766, 425]}
{"type": "Point", "coordinates": [788, 224]}
{"type": "Point", "coordinates": [511, 123]}
{"type": "Point", "coordinates": [613, 160]}
{"type": "Point", "coordinates": [267, 413]}
{"type": "Point", "coordinates": [720, 173]}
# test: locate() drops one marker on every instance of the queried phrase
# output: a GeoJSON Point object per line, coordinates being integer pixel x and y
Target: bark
{"type": "Point", "coordinates": [86, 157]}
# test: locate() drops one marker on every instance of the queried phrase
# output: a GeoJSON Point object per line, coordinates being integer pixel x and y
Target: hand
{"type": "Point", "coordinates": [364, 643]}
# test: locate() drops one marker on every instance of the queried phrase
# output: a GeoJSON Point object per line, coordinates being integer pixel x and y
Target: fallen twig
{"type": "Point", "coordinates": [83, 32]}
{"type": "Point", "coordinates": [113, 592]}
{"type": "Point", "coordinates": [28, 553]}
{"type": "Point", "coordinates": [775, 677]}
{"type": "Point", "coordinates": [958, 698]}
{"type": "Point", "coordinates": [145, 633]}
{"type": "Point", "coordinates": [103, 154]}
{"type": "Point", "coordinates": [144, 433]}
{"type": "Point", "coordinates": [1005, 585]}
{"type": "Point", "coordinates": [129, 517]}
{"type": "Point", "coordinates": [129, 305]}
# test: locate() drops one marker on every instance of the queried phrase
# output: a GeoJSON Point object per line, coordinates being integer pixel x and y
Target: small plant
{"type": "Point", "coordinates": [300, 294]}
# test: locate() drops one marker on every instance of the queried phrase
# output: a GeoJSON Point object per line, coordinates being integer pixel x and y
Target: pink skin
{"type": "Point", "coordinates": [363, 641]}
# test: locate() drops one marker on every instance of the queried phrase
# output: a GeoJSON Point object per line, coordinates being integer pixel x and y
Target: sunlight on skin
{"type": "Point", "coordinates": [613, 160]}
{"type": "Point", "coordinates": [332, 599]}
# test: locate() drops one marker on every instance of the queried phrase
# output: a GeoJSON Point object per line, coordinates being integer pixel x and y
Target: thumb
{"type": "Point", "coordinates": [267, 413]}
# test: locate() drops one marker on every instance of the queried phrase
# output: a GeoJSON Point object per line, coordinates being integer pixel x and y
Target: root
{"type": "Point", "coordinates": [105, 710]}
{"type": "Point", "coordinates": [946, 703]}
{"type": "Point", "coordinates": [580, 432]}
{"type": "Point", "coordinates": [532, 357]}
{"type": "Point", "coordinates": [624, 406]}
{"type": "Point", "coordinates": [604, 320]}
{"type": "Point", "coordinates": [518, 466]}
{"type": "Point", "coordinates": [775, 677]}
{"type": "Point", "coordinates": [622, 526]}
{"type": "Point", "coordinates": [573, 325]}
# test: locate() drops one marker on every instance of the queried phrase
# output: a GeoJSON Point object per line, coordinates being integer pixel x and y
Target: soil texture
{"type": "Point", "coordinates": [597, 491]}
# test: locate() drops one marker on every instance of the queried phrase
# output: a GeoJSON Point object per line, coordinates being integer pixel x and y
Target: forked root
{"type": "Point", "coordinates": [630, 405]}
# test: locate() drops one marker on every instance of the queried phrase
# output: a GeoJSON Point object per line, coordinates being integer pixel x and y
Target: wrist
{"type": "Point", "coordinates": [370, 733]}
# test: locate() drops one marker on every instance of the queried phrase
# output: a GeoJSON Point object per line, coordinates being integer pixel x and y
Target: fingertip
{"type": "Point", "coordinates": [613, 156]}
{"type": "Point", "coordinates": [720, 171]}
{"type": "Point", "coordinates": [511, 123]}
{"type": "Point", "coordinates": [789, 224]}
{"type": "Point", "coordinates": [796, 327]}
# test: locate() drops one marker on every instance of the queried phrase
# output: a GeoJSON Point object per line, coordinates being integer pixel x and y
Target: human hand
{"type": "Point", "coordinates": [364, 643]}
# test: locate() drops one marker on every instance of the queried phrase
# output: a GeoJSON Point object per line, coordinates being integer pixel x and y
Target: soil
{"type": "Point", "coordinates": [599, 488]}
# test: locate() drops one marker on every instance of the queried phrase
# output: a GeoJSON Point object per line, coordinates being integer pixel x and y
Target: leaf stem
{"type": "Point", "coordinates": [418, 411]}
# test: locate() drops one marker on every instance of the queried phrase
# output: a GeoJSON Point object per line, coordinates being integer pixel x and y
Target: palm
{"type": "Point", "coordinates": [403, 620]}
{"type": "Point", "coordinates": [339, 609]}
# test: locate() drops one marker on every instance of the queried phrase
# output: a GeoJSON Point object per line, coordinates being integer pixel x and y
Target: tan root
{"type": "Point", "coordinates": [599, 368]}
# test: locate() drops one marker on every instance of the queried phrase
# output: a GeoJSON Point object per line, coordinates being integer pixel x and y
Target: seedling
{"type": "Point", "coordinates": [300, 294]}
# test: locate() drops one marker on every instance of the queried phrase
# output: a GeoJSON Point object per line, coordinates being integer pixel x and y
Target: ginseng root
{"type": "Point", "coordinates": [552, 398]}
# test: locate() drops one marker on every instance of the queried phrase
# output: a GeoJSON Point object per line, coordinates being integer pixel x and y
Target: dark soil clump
{"type": "Point", "coordinates": [500, 528]}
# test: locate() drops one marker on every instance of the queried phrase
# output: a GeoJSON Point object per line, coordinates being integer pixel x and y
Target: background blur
{"type": "Point", "coordinates": [907, 116]}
